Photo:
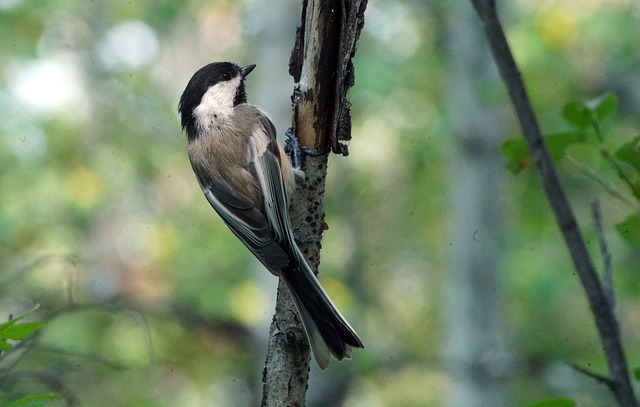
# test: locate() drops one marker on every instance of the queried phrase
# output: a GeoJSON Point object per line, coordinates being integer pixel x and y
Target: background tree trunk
{"type": "Point", "coordinates": [475, 346]}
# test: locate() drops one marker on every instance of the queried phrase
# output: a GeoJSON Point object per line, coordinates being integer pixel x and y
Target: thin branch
{"type": "Point", "coordinates": [595, 376]}
{"type": "Point", "coordinates": [622, 174]}
{"type": "Point", "coordinates": [606, 154]}
{"type": "Point", "coordinates": [606, 184]}
{"type": "Point", "coordinates": [604, 318]}
{"type": "Point", "coordinates": [607, 283]}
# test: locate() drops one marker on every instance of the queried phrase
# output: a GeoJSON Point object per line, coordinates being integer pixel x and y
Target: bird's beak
{"type": "Point", "coordinates": [246, 70]}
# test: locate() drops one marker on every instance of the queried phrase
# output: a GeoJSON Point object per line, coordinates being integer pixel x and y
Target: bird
{"type": "Point", "coordinates": [247, 178]}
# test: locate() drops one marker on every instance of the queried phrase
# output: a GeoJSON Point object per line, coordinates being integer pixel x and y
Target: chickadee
{"type": "Point", "coordinates": [247, 178]}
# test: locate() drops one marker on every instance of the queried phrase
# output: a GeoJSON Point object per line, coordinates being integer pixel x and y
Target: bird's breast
{"type": "Point", "coordinates": [220, 153]}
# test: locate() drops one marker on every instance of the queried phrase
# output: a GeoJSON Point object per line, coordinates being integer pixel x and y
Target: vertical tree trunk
{"type": "Point", "coordinates": [321, 67]}
{"type": "Point", "coordinates": [476, 354]}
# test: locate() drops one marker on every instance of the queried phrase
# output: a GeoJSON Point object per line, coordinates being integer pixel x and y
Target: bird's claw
{"type": "Point", "coordinates": [293, 148]}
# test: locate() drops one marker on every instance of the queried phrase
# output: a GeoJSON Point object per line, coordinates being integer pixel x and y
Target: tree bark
{"type": "Point", "coordinates": [322, 69]}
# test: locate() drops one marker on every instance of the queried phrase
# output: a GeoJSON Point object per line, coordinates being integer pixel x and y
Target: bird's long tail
{"type": "Point", "coordinates": [327, 330]}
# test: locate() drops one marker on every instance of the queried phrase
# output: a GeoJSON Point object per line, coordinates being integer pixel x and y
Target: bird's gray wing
{"type": "Point", "coordinates": [263, 156]}
{"type": "Point", "coordinates": [246, 221]}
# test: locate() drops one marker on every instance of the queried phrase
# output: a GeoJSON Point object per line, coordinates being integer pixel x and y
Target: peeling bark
{"type": "Point", "coordinates": [322, 69]}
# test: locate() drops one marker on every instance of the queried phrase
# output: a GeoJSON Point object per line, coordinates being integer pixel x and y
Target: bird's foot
{"type": "Point", "coordinates": [293, 148]}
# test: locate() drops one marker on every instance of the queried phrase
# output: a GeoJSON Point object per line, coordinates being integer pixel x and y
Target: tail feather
{"type": "Point", "coordinates": [327, 330]}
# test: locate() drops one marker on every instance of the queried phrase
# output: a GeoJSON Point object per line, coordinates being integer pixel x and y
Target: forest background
{"type": "Point", "coordinates": [150, 301]}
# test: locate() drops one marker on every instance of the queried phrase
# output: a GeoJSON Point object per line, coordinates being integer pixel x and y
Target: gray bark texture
{"type": "Point", "coordinates": [322, 69]}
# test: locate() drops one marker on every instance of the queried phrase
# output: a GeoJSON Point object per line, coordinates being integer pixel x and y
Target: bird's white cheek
{"type": "Point", "coordinates": [217, 102]}
{"type": "Point", "coordinates": [208, 112]}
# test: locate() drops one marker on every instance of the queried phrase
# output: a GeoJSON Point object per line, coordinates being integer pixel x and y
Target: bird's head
{"type": "Point", "coordinates": [211, 94]}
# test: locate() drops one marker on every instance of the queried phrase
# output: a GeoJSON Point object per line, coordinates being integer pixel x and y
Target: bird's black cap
{"type": "Point", "coordinates": [202, 80]}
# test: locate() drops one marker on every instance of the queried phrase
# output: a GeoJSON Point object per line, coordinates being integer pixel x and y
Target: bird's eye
{"type": "Point", "coordinates": [226, 76]}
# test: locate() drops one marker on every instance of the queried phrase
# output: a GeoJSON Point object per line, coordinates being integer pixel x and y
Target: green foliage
{"type": "Point", "coordinates": [35, 401]}
{"type": "Point", "coordinates": [586, 118]}
{"type": "Point", "coordinates": [13, 330]}
{"type": "Point", "coordinates": [630, 153]}
{"type": "Point", "coordinates": [577, 114]}
{"type": "Point", "coordinates": [629, 229]}
{"type": "Point", "coordinates": [580, 115]}
{"type": "Point", "coordinates": [555, 402]}
{"type": "Point", "coordinates": [517, 153]}
{"type": "Point", "coordinates": [154, 300]}
{"type": "Point", "coordinates": [584, 114]}
{"type": "Point", "coordinates": [16, 331]}
{"type": "Point", "coordinates": [636, 373]}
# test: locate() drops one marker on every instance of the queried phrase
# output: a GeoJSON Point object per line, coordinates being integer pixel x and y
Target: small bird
{"type": "Point", "coordinates": [246, 177]}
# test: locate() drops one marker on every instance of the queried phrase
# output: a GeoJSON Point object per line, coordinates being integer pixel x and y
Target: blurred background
{"type": "Point", "coordinates": [447, 264]}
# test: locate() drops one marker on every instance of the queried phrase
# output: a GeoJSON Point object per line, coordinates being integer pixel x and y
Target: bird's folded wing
{"type": "Point", "coordinates": [247, 223]}
{"type": "Point", "coordinates": [263, 155]}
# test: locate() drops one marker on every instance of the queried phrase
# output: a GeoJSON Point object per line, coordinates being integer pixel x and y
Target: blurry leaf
{"type": "Point", "coordinates": [630, 153]}
{"type": "Point", "coordinates": [636, 373]}
{"type": "Point", "coordinates": [582, 114]}
{"type": "Point", "coordinates": [555, 402]}
{"type": "Point", "coordinates": [17, 331]}
{"type": "Point", "coordinates": [7, 325]}
{"type": "Point", "coordinates": [517, 153]}
{"type": "Point", "coordinates": [629, 229]}
{"type": "Point", "coordinates": [577, 114]}
{"type": "Point", "coordinates": [35, 401]}
{"type": "Point", "coordinates": [604, 105]}
{"type": "Point", "coordinates": [559, 142]}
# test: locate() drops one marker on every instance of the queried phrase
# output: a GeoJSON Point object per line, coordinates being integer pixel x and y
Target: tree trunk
{"type": "Point", "coordinates": [475, 345]}
{"type": "Point", "coordinates": [321, 67]}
